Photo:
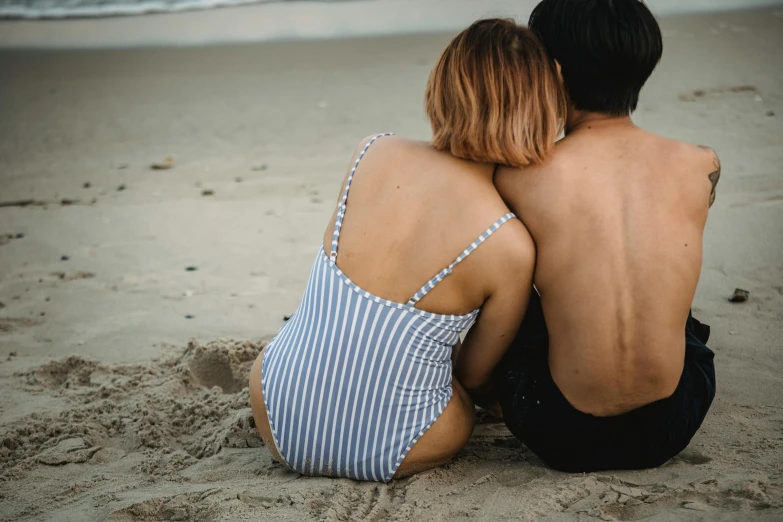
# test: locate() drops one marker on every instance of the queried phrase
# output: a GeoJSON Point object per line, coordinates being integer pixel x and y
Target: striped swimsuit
{"type": "Point", "coordinates": [352, 380]}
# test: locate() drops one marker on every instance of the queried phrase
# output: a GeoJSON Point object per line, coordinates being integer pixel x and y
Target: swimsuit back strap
{"type": "Point", "coordinates": [432, 283]}
{"type": "Point", "coordinates": [338, 224]}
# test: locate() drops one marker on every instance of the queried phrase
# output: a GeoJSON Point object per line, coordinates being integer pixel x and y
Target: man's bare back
{"type": "Point", "coordinates": [609, 369]}
{"type": "Point", "coordinates": [617, 216]}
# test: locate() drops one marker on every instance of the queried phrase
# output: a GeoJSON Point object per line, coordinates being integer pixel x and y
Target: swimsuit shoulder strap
{"type": "Point", "coordinates": [338, 224]}
{"type": "Point", "coordinates": [432, 283]}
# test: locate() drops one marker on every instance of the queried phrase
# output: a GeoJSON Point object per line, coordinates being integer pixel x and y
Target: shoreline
{"type": "Point", "coordinates": [297, 21]}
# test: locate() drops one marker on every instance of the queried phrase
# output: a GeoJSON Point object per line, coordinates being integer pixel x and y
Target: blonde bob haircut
{"type": "Point", "coordinates": [495, 96]}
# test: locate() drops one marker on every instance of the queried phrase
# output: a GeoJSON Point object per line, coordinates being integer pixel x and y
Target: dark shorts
{"type": "Point", "coordinates": [566, 439]}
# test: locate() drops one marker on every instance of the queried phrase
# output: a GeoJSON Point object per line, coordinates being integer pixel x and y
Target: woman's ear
{"type": "Point", "coordinates": [559, 71]}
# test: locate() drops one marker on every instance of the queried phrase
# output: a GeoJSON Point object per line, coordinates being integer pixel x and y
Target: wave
{"type": "Point", "coordinates": [54, 9]}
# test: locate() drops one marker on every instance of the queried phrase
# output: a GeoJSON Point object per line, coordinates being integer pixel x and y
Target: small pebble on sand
{"type": "Point", "coordinates": [191, 268]}
{"type": "Point", "coordinates": [739, 296]}
{"type": "Point", "coordinates": [19, 236]}
{"type": "Point", "coordinates": [121, 187]}
{"type": "Point", "coordinates": [86, 184]}
{"type": "Point", "coordinates": [770, 113]}
{"type": "Point", "coordinates": [208, 192]}
{"type": "Point", "coordinates": [238, 179]}
{"type": "Point", "coordinates": [286, 317]}
{"type": "Point", "coordinates": [166, 164]}
{"type": "Point", "coordinates": [64, 258]}
{"type": "Point", "coordinates": [261, 167]}
{"type": "Point", "coordinates": [190, 316]}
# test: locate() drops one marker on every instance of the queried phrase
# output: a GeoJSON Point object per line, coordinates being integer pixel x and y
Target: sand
{"type": "Point", "coordinates": [108, 409]}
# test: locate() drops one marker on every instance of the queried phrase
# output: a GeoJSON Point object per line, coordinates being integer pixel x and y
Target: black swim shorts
{"type": "Point", "coordinates": [568, 440]}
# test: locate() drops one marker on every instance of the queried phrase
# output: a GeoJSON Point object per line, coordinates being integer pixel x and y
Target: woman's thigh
{"type": "Point", "coordinates": [259, 408]}
{"type": "Point", "coordinates": [445, 438]}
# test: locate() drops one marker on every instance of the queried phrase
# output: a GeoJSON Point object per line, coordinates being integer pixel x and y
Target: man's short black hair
{"type": "Point", "coordinates": [607, 49]}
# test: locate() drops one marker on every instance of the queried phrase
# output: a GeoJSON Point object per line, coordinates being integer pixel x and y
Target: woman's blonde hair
{"type": "Point", "coordinates": [495, 96]}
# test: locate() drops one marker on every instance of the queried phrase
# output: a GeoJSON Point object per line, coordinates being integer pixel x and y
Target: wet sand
{"type": "Point", "coordinates": [109, 412]}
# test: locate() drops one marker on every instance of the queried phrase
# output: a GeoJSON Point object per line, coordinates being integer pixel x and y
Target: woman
{"type": "Point", "coordinates": [358, 383]}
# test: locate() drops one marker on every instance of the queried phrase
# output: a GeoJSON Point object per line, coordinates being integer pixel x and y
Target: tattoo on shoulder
{"type": "Point", "coordinates": [713, 176]}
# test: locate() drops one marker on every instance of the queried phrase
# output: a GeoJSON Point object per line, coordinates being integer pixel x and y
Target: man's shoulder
{"type": "Point", "coordinates": [553, 162]}
{"type": "Point", "coordinates": [511, 181]}
{"type": "Point", "coordinates": [688, 154]}
{"type": "Point", "coordinates": [693, 164]}
{"type": "Point", "coordinates": [707, 157]}
{"type": "Point", "coordinates": [518, 186]}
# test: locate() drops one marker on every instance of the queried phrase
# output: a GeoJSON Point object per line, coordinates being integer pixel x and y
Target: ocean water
{"type": "Point", "coordinates": [43, 9]}
{"type": "Point", "coordinates": [36, 9]}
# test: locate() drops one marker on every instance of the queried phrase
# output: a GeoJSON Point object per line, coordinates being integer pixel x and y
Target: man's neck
{"type": "Point", "coordinates": [579, 120]}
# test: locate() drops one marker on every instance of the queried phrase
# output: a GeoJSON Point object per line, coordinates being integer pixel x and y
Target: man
{"type": "Point", "coordinates": [617, 376]}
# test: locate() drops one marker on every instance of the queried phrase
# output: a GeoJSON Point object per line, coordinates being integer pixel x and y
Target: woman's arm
{"type": "Point", "coordinates": [500, 317]}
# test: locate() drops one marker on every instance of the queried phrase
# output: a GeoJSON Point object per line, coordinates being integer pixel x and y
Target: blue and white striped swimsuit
{"type": "Point", "coordinates": [352, 380]}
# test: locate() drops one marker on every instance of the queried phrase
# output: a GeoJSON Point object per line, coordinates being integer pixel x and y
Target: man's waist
{"type": "Point", "coordinates": [612, 388]}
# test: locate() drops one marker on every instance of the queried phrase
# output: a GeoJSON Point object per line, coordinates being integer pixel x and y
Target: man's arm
{"type": "Point", "coordinates": [713, 176]}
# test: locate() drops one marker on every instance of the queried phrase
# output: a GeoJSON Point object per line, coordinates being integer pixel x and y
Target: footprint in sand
{"type": "Point", "coordinates": [11, 324]}
{"type": "Point", "coordinates": [185, 506]}
{"type": "Point", "coordinates": [667, 502]}
{"type": "Point", "coordinates": [361, 502]}
{"type": "Point", "coordinates": [73, 371]}
{"type": "Point", "coordinates": [701, 93]}
{"type": "Point", "coordinates": [693, 457]}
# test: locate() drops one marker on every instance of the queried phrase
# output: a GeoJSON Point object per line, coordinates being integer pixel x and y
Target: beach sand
{"type": "Point", "coordinates": [108, 410]}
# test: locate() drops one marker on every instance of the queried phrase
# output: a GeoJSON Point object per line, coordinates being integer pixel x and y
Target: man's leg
{"type": "Point", "coordinates": [699, 330]}
{"type": "Point", "coordinates": [533, 329]}
{"type": "Point", "coordinates": [697, 386]}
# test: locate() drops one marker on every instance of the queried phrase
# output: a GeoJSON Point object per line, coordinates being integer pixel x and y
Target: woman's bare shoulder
{"type": "Point", "coordinates": [392, 140]}
{"type": "Point", "coordinates": [518, 244]}
{"type": "Point", "coordinates": [420, 149]}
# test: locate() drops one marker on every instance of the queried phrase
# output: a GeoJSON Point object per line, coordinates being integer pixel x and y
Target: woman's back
{"type": "Point", "coordinates": [359, 374]}
{"type": "Point", "coordinates": [411, 211]}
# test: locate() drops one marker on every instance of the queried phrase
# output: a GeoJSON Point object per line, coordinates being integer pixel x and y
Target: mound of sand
{"type": "Point", "coordinates": [174, 411]}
